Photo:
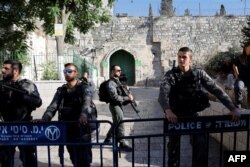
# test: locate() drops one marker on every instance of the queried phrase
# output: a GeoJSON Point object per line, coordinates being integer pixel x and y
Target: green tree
{"type": "Point", "coordinates": [16, 20]}
{"type": "Point", "coordinates": [213, 65]}
{"type": "Point", "coordinates": [150, 11]}
{"type": "Point", "coordinates": [246, 32]}
{"type": "Point", "coordinates": [167, 8]}
{"type": "Point", "coordinates": [222, 10]}
{"type": "Point", "coordinates": [187, 12]}
{"type": "Point", "coordinates": [72, 14]}
{"type": "Point", "coordinates": [49, 72]}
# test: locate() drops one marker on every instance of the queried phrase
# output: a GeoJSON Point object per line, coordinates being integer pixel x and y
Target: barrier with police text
{"type": "Point", "coordinates": [207, 124]}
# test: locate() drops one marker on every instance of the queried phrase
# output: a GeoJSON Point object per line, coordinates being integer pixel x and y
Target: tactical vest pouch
{"type": "Point", "coordinates": [93, 117]}
{"type": "Point", "coordinates": [200, 100]}
{"type": "Point", "coordinates": [193, 101]}
{"type": "Point", "coordinates": [66, 114]}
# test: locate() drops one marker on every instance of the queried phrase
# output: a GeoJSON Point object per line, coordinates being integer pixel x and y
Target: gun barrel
{"type": "Point", "coordinates": [132, 103]}
{"type": "Point", "coordinates": [14, 89]}
{"type": "Point", "coordinates": [174, 61]}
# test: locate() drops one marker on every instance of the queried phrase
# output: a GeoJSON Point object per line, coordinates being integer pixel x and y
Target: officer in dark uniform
{"type": "Point", "coordinates": [115, 106]}
{"type": "Point", "coordinates": [175, 98]}
{"type": "Point", "coordinates": [85, 79]}
{"type": "Point", "coordinates": [73, 101]}
{"type": "Point", "coordinates": [17, 106]}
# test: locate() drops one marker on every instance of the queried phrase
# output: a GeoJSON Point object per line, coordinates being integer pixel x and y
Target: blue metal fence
{"type": "Point", "coordinates": [52, 135]}
{"type": "Point", "coordinates": [229, 137]}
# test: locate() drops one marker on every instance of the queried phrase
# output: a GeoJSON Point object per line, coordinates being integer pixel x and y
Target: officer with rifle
{"type": "Point", "coordinates": [19, 97]}
{"type": "Point", "coordinates": [126, 91]}
{"type": "Point", "coordinates": [118, 99]}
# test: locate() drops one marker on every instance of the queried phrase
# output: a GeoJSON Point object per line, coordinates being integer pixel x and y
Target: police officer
{"type": "Point", "coordinates": [175, 97]}
{"type": "Point", "coordinates": [73, 102]}
{"type": "Point", "coordinates": [115, 106]}
{"type": "Point", "coordinates": [17, 106]}
{"type": "Point", "coordinates": [85, 79]}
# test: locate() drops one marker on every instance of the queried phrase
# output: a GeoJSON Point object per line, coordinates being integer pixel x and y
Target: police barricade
{"type": "Point", "coordinates": [49, 140]}
{"type": "Point", "coordinates": [149, 139]}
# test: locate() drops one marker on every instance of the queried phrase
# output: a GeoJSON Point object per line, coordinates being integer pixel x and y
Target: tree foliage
{"type": "Point", "coordinates": [80, 14]}
{"type": "Point", "coordinates": [213, 66]}
{"type": "Point", "coordinates": [150, 11]}
{"type": "Point", "coordinates": [18, 17]}
{"type": "Point", "coordinates": [222, 10]}
{"type": "Point", "coordinates": [187, 12]}
{"type": "Point", "coordinates": [49, 71]}
{"type": "Point", "coordinates": [167, 8]}
{"type": "Point", "coordinates": [15, 22]}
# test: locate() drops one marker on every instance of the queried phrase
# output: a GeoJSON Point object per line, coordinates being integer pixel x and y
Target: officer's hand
{"type": "Point", "coordinates": [235, 114]}
{"type": "Point", "coordinates": [171, 117]}
{"type": "Point", "coordinates": [130, 97]}
{"type": "Point", "coordinates": [83, 119]}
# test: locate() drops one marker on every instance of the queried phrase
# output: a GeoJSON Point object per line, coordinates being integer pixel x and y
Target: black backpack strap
{"type": "Point", "coordinates": [197, 78]}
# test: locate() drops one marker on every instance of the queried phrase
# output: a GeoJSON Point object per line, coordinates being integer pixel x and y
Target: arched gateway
{"type": "Point", "coordinates": [127, 63]}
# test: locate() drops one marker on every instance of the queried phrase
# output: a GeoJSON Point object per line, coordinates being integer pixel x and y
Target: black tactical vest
{"type": "Point", "coordinates": [181, 92]}
{"type": "Point", "coordinates": [70, 108]}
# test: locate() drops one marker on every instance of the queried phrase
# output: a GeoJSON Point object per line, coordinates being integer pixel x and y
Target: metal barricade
{"type": "Point", "coordinates": [150, 136]}
{"type": "Point", "coordinates": [148, 139]}
{"type": "Point", "coordinates": [50, 139]}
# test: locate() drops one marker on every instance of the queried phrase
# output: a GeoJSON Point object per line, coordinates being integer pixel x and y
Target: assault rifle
{"type": "Point", "coordinates": [25, 94]}
{"type": "Point", "coordinates": [173, 64]}
{"type": "Point", "coordinates": [12, 88]}
{"type": "Point", "coordinates": [132, 103]}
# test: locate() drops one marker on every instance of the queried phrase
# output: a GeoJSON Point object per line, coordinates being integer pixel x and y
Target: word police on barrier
{"type": "Point", "coordinates": [32, 133]}
{"type": "Point", "coordinates": [186, 125]}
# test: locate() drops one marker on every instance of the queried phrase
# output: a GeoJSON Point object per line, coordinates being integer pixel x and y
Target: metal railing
{"type": "Point", "coordinates": [148, 139]}
{"type": "Point", "coordinates": [230, 136]}
{"type": "Point", "coordinates": [49, 140]}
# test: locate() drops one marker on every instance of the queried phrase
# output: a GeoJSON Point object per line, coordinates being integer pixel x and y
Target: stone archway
{"type": "Point", "coordinates": [127, 63]}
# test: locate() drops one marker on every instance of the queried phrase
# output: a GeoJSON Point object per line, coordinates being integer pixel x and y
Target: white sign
{"type": "Point", "coordinates": [58, 29]}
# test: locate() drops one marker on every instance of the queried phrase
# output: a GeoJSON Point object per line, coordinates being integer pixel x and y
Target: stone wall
{"type": "Point", "coordinates": [204, 35]}
{"type": "Point", "coordinates": [154, 42]}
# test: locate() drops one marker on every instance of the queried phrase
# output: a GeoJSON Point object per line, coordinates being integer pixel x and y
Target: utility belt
{"type": "Point", "coordinates": [115, 104]}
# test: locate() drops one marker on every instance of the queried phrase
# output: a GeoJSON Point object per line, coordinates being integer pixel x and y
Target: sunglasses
{"type": "Point", "coordinates": [65, 71]}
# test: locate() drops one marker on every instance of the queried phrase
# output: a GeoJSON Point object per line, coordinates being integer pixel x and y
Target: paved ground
{"type": "Point", "coordinates": [147, 100]}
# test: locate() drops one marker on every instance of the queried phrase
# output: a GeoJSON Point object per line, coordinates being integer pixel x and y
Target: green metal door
{"type": "Point", "coordinates": [127, 63]}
